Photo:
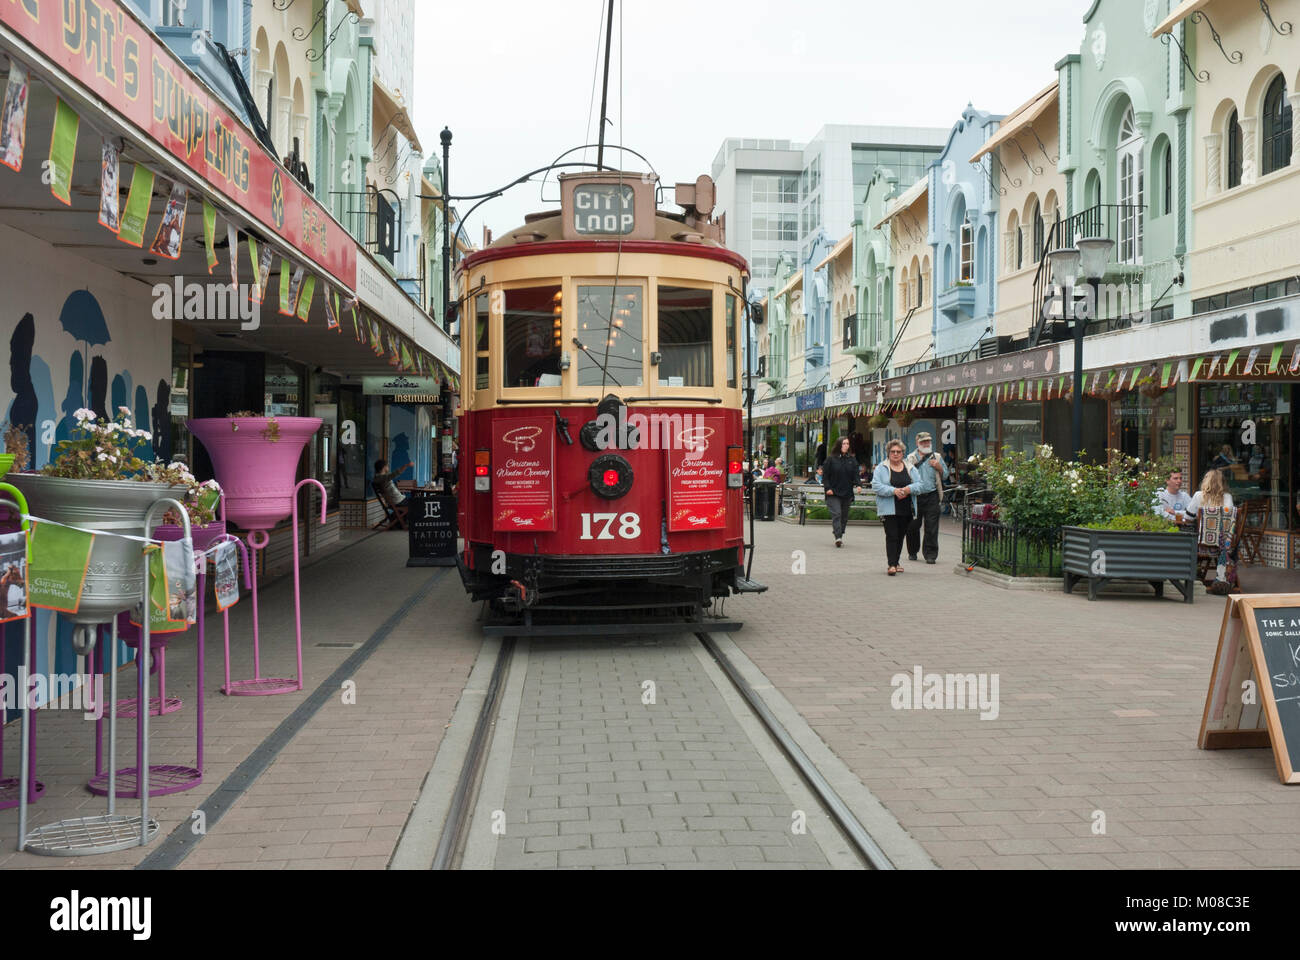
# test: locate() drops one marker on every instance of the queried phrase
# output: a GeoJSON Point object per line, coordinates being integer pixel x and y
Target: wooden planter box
{"type": "Point", "coordinates": [1100, 556]}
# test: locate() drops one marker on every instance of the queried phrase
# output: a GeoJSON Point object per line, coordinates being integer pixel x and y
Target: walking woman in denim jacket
{"type": "Point", "coordinates": [894, 482]}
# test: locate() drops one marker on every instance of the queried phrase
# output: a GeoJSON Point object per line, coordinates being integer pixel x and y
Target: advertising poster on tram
{"type": "Point", "coordinates": [523, 475]}
{"type": "Point", "coordinates": [697, 477]}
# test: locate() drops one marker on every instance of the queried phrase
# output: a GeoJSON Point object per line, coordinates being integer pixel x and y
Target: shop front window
{"type": "Point", "coordinates": [532, 337]}
{"type": "Point", "coordinates": [1146, 426]}
{"type": "Point", "coordinates": [1022, 426]}
{"type": "Point", "coordinates": [177, 446]}
{"type": "Point", "coordinates": [1232, 414]}
{"type": "Point", "coordinates": [283, 389]}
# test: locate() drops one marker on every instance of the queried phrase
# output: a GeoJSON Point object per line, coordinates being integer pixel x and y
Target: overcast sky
{"type": "Point", "coordinates": [513, 79]}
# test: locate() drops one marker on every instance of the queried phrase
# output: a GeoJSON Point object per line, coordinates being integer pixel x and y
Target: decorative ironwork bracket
{"type": "Point", "coordinates": [1236, 55]}
{"type": "Point", "coordinates": [300, 34]}
{"type": "Point", "coordinates": [993, 181]}
{"type": "Point", "coordinates": [282, 5]}
{"type": "Point", "coordinates": [1284, 30]}
{"type": "Point", "coordinates": [1036, 171]}
{"type": "Point", "coordinates": [1053, 160]}
{"type": "Point", "coordinates": [1203, 76]}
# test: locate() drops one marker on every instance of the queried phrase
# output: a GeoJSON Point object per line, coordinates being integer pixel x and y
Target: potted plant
{"type": "Point", "coordinates": [1129, 547]}
{"type": "Point", "coordinates": [99, 482]}
{"type": "Point", "coordinates": [255, 460]}
{"type": "Point", "coordinates": [878, 421]}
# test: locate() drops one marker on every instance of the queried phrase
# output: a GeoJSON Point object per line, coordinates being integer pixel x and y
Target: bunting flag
{"type": "Point", "coordinates": [1164, 375]}
{"type": "Point", "coordinates": [1196, 367]}
{"type": "Point", "coordinates": [171, 232]}
{"type": "Point", "coordinates": [136, 213]}
{"type": "Point", "coordinates": [286, 309]}
{"type": "Point", "coordinates": [210, 234]}
{"type": "Point", "coordinates": [232, 241]}
{"type": "Point", "coordinates": [1273, 360]}
{"type": "Point", "coordinates": [1137, 374]}
{"type": "Point", "coordinates": [1181, 375]}
{"type": "Point", "coordinates": [1250, 361]}
{"type": "Point", "coordinates": [110, 215]}
{"type": "Point", "coordinates": [1232, 362]}
{"type": "Point", "coordinates": [63, 151]}
{"type": "Point", "coordinates": [407, 362]}
{"type": "Point", "coordinates": [255, 259]}
{"type": "Point", "coordinates": [264, 272]}
{"type": "Point", "coordinates": [1295, 359]}
{"type": "Point", "coordinates": [304, 298]}
{"type": "Point", "coordinates": [331, 309]}
{"type": "Point", "coordinates": [295, 292]}
{"type": "Point", "coordinates": [1214, 365]}
{"type": "Point", "coordinates": [13, 122]}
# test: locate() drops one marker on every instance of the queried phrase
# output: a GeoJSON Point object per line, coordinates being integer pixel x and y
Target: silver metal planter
{"type": "Point", "coordinates": [115, 578]}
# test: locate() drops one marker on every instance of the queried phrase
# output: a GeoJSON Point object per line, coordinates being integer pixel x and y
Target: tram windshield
{"type": "Point", "coordinates": [532, 325]}
{"type": "Point", "coordinates": [686, 337]}
{"type": "Point", "coordinates": [610, 337]}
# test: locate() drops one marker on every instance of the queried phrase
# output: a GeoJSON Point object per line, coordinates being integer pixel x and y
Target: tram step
{"type": "Point", "coordinates": [746, 585]}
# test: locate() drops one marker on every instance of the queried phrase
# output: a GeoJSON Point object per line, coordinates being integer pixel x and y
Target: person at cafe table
{"type": "Point", "coordinates": [1172, 500]}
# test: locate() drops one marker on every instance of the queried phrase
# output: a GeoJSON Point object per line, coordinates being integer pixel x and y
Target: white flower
{"type": "Point", "coordinates": [145, 435]}
{"type": "Point", "coordinates": [971, 458]}
{"type": "Point", "coordinates": [125, 410]}
{"type": "Point", "coordinates": [1010, 478]}
{"type": "Point", "coordinates": [83, 415]}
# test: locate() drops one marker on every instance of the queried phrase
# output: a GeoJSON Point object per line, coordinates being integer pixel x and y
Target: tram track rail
{"type": "Point", "coordinates": [456, 827]}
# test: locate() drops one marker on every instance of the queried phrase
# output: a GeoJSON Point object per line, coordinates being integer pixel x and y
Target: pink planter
{"type": "Point", "coordinates": [204, 537]}
{"type": "Point", "coordinates": [257, 475]}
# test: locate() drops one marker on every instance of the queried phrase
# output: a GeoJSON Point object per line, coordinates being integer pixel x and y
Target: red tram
{"type": "Point", "coordinates": [601, 425]}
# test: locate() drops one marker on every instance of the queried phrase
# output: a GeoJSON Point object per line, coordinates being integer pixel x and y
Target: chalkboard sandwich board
{"type": "Point", "coordinates": [1273, 629]}
{"type": "Point", "coordinates": [431, 522]}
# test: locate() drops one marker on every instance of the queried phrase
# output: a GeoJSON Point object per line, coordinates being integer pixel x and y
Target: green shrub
{"type": "Point", "coordinates": [855, 513]}
{"type": "Point", "coordinates": [1136, 522]}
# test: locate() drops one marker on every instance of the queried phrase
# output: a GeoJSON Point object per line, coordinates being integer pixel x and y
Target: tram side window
{"type": "Point", "coordinates": [685, 337]}
{"type": "Point", "coordinates": [533, 341]}
{"type": "Point", "coordinates": [481, 342]}
{"type": "Point", "coordinates": [610, 331]}
{"type": "Point", "coordinates": [731, 340]}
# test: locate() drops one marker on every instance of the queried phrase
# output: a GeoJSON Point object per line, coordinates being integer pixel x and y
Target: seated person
{"type": "Point", "coordinates": [1171, 499]}
{"type": "Point", "coordinates": [385, 482]}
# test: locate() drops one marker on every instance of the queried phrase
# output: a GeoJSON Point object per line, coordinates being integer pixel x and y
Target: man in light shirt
{"type": "Point", "coordinates": [1172, 499]}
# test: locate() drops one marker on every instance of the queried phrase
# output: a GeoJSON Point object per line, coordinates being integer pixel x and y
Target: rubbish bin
{"type": "Point", "coordinates": [764, 500]}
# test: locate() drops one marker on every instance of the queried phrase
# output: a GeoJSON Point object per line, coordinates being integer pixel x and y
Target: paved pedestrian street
{"type": "Point", "coordinates": [636, 753]}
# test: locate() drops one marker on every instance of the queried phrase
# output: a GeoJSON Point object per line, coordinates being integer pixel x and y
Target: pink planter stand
{"type": "Point", "coordinates": [256, 476]}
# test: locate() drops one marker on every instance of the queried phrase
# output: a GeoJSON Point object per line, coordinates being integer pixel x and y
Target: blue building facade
{"type": "Point", "coordinates": [962, 233]}
{"type": "Point", "coordinates": [817, 312]}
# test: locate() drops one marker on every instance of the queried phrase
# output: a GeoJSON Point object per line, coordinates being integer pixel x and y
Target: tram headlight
{"type": "Point", "coordinates": [610, 477]}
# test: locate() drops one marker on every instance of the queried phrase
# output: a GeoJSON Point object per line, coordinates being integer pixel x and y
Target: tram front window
{"type": "Point", "coordinates": [610, 331]}
{"type": "Point", "coordinates": [686, 337]}
{"type": "Point", "coordinates": [532, 337]}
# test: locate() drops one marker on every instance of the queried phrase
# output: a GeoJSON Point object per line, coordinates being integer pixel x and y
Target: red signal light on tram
{"type": "Point", "coordinates": [480, 471]}
{"type": "Point", "coordinates": [735, 467]}
{"type": "Point", "coordinates": [611, 478]}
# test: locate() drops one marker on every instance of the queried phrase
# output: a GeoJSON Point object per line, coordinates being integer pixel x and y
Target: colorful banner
{"type": "Point", "coordinates": [697, 477]}
{"type": "Point", "coordinates": [523, 480]}
{"type": "Point", "coordinates": [264, 272]}
{"type": "Point", "coordinates": [1275, 358]}
{"type": "Point", "coordinates": [109, 186]}
{"type": "Point", "coordinates": [173, 597]}
{"type": "Point", "coordinates": [210, 234]}
{"type": "Point", "coordinates": [286, 309]}
{"type": "Point", "coordinates": [13, 576]}
{"type": "Point", "coordinates": [225, 581]}
{"type": "Point", "coordinates": [167, 242]}
{"type": "Point", "coordinates": [63, 150]}
{"type": "Point", "coordinates": [256, 263]}
{"type": "Point", "coordinates": [107, 47]}
{"type": "Point", "coordinates": [331, 308]}
{"type": "Point", "coordinates": [135, 216]}
{"type": "Point", "coordinates": [232, 241]}
{"type": "Point", "coordinates": [13, 122]}
{"type": "Point", "coordinates": [305, 298]}
{"type": "Point", "coordinates": [57, 561]}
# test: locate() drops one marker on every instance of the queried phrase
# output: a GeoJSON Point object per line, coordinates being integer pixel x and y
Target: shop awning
{"type": "Point", "coordinates": [837, 250]}
{"type": "Point", "coordinates": [1020, 120]}
{"type": "Point", "coordinates": [354, 6]}
{"type": "Point", "coordinates": [389, 112]}
{"type": "Point", "coordinates": [795, 281]}
{"type": "Point", "coordinates": [912, 194]}
{"type": "Point", "coordinates": [1180, 13]}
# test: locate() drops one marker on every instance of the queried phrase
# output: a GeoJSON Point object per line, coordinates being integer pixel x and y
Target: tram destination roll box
{"type": "Point", "coordinates": [431, 524]}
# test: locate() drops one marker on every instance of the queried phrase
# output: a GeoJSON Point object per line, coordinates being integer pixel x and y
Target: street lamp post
{"type": "Point", "coordinates": [1088, 262]}
{"type": "Point", "coordinates": [446, 230]}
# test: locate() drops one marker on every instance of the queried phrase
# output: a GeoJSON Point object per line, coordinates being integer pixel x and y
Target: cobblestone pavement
{"type": "Point", "coordinates": [337, 794]}
{"type": "Point", "coordinates": [1100, 707]}
{"type": "Point", "coordinates": [600, 778]}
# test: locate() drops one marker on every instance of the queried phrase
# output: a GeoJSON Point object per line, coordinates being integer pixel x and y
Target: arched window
{"type": "Point", "coordinates": [1039, 238]}
{"type": "Point", "coordinates": [1234, 151]}
{"type": "Point", "coordinates": [1132, 188]}
{"type": "Point", "coordinates": [1277, 127]}
{"type": "Point", "coordinates": [967, 251]}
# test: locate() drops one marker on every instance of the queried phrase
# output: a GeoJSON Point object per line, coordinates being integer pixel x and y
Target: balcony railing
{"type": "Point", "coordinates": [1123, 223]}
{"type": "Point", "coordinates": [862, 333]}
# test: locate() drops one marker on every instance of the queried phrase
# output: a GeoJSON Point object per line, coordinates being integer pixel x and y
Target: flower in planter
{"type": "Point", "coordinates": [102, 449]}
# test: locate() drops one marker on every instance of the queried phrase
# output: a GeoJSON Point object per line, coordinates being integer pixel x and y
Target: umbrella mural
{"type": "Point", "coordinates": [82, 317]}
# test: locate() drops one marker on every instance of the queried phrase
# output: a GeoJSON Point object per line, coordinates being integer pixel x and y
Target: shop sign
{"type": "Point", "coordinates": [102, 44]}
{"type": "Point", "coordinates": [407, 389]}
{"type": "Point", "coordinates": [697, 478]}
{"type": "Point", "coordinates": [523, 475]}
{"type": "Point", "coordinates": [843, 396]}
{"type": "Point", "coordinates": [809, 401]}
{"type": "Point", "coordinates": [1026, 364]}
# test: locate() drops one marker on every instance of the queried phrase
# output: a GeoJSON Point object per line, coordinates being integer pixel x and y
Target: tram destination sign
{"type": "Point", "coordinates": [608, 204]}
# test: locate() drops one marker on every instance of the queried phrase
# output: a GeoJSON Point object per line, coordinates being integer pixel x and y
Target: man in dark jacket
{"type": "Point", "coordinates": [840, 478]}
